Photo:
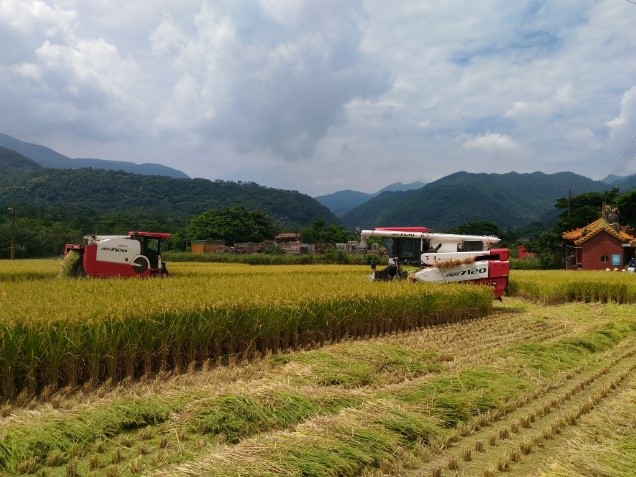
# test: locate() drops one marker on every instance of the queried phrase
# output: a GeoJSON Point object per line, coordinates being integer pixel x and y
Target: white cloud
{"type": "Point", "coordinates": [561, 99]}
{"type": "Point", "coordinates": [627, 112]}
{"type": "Point", "coordinates": [34, 17]}
{"type": "Point", "coordinates": [270, 79]}
{"type": "Point", "coordinates": [492, 142]}
{"type": "Point", "coordinates": [583, 137]}
{"type": "Point", "coordinates": [28, 71]}
{"type": "Point", "coordinates": [92, 65]}
{"type": "Point", "coordinates": [167, 37]}
{"type": "Point", "coordinates": [301, 94]}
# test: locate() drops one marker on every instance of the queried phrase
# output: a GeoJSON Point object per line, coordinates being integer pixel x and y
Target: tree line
{"type": "Point", "coordinates": [43, 233]}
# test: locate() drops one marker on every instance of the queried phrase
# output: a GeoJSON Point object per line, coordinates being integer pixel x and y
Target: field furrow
{"type": "Point", "coordinates": [528, 435]}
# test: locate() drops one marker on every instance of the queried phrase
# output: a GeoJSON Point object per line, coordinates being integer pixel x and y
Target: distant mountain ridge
{"type": "Point", "coordinates": [620, 181]}
{"type": "Point", "coordinates": [508, 200]}
{"type": "Point", "coordinates": [343, 201]}
{"type": "Point", "coordinates": [47, 157]}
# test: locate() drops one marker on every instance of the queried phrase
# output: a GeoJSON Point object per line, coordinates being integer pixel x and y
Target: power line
{"type": "Point", "coordinates": [625, 160]}
{"type": "Point", "coordinates": [627, 156]}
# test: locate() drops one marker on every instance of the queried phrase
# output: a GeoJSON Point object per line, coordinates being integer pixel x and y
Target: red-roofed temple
{"type": "Point", "coordinates": [600, 245]}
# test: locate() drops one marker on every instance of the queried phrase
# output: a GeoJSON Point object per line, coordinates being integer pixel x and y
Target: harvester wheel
{"type": "Point", "coordinates": [164, 270]}
{"type": "Point", "coordinates": [140, 264]}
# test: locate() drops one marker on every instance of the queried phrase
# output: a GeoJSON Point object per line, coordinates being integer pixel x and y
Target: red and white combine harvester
{"type": "Point", "coordinates": [137, 254]}
{"type": "Point", "coordinates": [441, 258]}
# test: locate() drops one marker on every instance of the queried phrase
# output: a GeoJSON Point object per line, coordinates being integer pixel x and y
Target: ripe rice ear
{"type": "Point", "coordinates": [115, 329]}
{"type": "Point", "coordinates": [454, 263]}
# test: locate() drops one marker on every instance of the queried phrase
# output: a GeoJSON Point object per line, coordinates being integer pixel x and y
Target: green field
{"type": "Point", "coordinates": [227, 369]}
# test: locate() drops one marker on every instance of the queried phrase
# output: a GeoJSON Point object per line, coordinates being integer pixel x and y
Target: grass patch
{"type": "Point", "coordinates": [551, 358]}
{"type": "Point", "coordinates": [58, 437]}
{"type": "Point", "coordinates": [411, 425]}
{"type": "Point", "coordinates": [237, 417]}
{"type": "Point", "coordinates": [458, 398]}
{"type": "Point", "coordinates": [354, 365]}
{"type": "Point", "coordinates": [329, 368]}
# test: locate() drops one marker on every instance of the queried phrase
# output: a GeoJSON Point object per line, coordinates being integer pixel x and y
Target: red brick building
{"type": "Point", "coordinates": [599, 246]}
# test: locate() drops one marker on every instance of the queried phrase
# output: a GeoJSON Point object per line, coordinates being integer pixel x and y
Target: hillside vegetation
{"type": "Point", "coordinates": [115, 192]}
{"type": "Point", "coordinates": [174, 201]}
{"type": "Point", "coordinates": [14, 165]}
{"type": "Point", "coordinates": [343, 201]}
{"type": "Point", "coordinates": [56, 206]}
{"type": "Point", "coordinates": [508, 200]}
{"type": "Point", "coordinates": [47, 157]}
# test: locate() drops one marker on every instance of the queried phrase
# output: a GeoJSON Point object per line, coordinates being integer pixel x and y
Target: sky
{"type": "Point", "coordinates": [325, 95]}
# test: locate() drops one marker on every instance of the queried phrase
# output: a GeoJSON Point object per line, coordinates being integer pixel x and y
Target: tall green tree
{"type": "Point", "coordinates": [580, 210]}
{"type": "Point", "coordinates": [320, 232]}
{"type": "Point", "coordinates": [479, 227]}
{"type": "Point", "coordinates": [232, 225]}
{"type": "Point", "coordinates": [627, 208]}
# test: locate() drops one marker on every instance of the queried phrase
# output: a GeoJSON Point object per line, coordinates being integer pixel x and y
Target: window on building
{"type": "Point", "coordinates": [604, 259]}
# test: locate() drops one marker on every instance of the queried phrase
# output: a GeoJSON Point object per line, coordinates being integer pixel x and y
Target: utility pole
{"type": "Point", "coordinates": [14, 188]}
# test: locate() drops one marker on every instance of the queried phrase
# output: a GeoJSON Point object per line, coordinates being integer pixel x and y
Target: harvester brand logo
{"type": "Point", "coordinates": [474, 271]}
{"type": "Point", "coordinates": [397, 234]}
{"type": "Point", "coordinates": [113, 249]}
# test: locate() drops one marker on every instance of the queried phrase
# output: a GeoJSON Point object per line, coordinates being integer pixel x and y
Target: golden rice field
{"type": "Point", "coordinates": [232, 370]}
{"type": "Point", "coordinates": [60, 331]}
{"type": "Point", "coordinates": [561, 286]}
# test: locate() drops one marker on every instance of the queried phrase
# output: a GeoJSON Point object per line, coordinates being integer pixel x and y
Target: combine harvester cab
{"type": "Point", "coordinates": [137, 254]}
{"type": "Point", "coordinates": [442, 258]}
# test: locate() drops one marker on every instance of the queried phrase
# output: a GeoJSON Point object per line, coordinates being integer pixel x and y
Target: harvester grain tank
{"type": "Point", "coordinates": [441, 258]}
{"type": "Point", "coordinates": [137, 254]}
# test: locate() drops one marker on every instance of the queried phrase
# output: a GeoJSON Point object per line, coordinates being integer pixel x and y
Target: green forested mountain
{"type": "Point", "coordinates": [508, 200]}
{"type": "Point", "coordinates": [14, 164]}
{"type": "Point", "coordinates": [63, 205]}
{"type": "Point", "coordinates": [343, 201]}
{"type": "Point", "coordinates": [54, 206]}
{"type": "Point", "coordinates": [116, 192]}
{"type": "Point", "coordinates": [624, 183]}
{"type": "Point", "coordinates": [47, 157]}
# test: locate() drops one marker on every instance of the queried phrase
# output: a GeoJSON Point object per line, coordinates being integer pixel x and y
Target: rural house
{"type": "Point", "coordinates": [600, 245]}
